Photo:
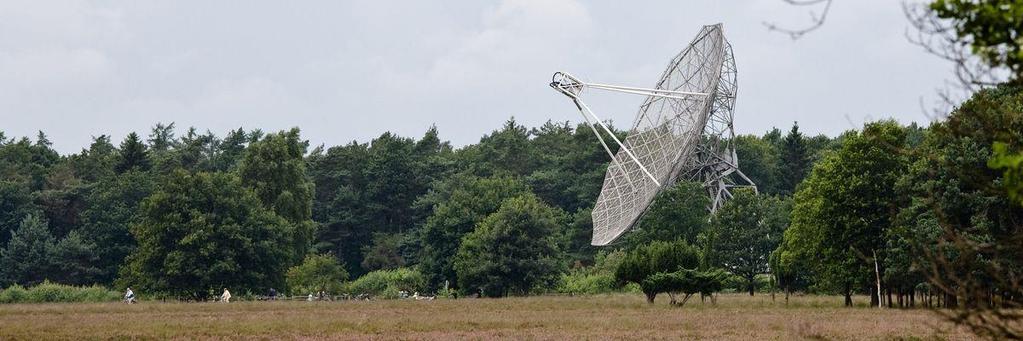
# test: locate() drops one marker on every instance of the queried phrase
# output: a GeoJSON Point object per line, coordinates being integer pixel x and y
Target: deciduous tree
{"type": "Point", "coordinates": [201, 232]}
{"type": "Point", "coordinates": [512, 251]}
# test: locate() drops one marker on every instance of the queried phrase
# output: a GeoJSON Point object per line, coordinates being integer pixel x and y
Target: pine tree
{"type": "Point", "coordinates": [794, 160]}
{"type": "Point", "coordinates": [133, 154]}
{"type": "Point", "coordinates": [27, 258]}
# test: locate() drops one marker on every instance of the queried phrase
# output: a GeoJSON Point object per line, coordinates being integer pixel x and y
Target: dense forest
{"type": "Point", "coordinates": [884, 210]}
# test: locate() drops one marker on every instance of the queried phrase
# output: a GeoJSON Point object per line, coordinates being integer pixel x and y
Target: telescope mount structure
{"type": "Point", "coordinates": [682, 132]}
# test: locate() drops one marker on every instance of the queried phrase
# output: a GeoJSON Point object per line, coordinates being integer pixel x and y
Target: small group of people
{"type": "Point", "coordinates": [415, 296]}
{"type": "Point", "coordinates": [129, 296]}
{"type": "Point", "coordinates": [320, 296]}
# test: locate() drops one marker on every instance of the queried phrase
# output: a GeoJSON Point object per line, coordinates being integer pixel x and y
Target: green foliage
{"type": "Point", "coordinates": [596, 279]}
{"type": "Point", "coordinates": [794, 161]}
{"type": "Point", "coordinates": [384, 253]}
{"type": "Point", "coordinates": [387, 283]}
{"type": "Point", "coordinates": [203, 232]}
{"type": "Point", "coordinates": [512, 251]}
{"type": "Point", "coordinates": [686, 282]}
{"type": "Point", "coordinates": [991, 28]}
{"type": "Point", "coordinates": [578, 282]}
{"type": "Point", "coordinates": [317, 273]}
{"type": "Point", "coordinates": [368, 190]}
{"type": "Point", "coordinates": [397, 202]}
{"type": "Point", "coordinates": [506, 151]}
{"type": "Point", "coordinates": [110, 207]}
{"type": "Point", "coordinates": [1012, 166]}
{"type": "Point", "coordinates": [467, 205]}
{"type": "Point", "coordinates": [27, 259]}
{"type": "Point", "coordinates": [760, 162]}
{"type": "Point", "coordinates": [960, 228]}
{"type": "Point", "coordinates": [28, 162]}
{"type": "Point", "coordinates": [744, 232]}
{"type": "Point", "coordinates": [15, 205]}
{"type": "Point", "coordinates": [656, 257]}
{"type": "Point", "coordinates": [679, 212]}
{"type": "Point", "coordinates": [133, 154]}
{"type": "Point", "coordinates": [275, 171]}
{"type": "Point", "coordinates": [49, 292]}
{"type": "Point", "coordinates": [75, 261]}
{"type": "Point", "coordinates": [844, 208]}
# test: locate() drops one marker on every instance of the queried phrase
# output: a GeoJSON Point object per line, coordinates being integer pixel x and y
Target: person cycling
{"type": "Point", "coordinates": [129, 297]}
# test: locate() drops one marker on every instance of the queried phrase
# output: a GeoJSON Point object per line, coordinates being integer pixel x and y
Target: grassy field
{"type": "Point", "coordinates": [594, 317]}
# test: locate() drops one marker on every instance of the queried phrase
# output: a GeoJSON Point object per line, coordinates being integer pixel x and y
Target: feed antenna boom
{"type": "Point", "coordinates": [682, 132]}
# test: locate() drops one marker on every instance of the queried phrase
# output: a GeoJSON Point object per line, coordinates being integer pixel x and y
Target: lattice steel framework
{"type": "Point", "coordinates": [683, 131]}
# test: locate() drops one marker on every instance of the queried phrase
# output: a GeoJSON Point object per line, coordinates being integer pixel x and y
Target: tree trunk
{"type": "Point", "coordinates": [650, 297]}
{"type": "Point", "coordinates": [877, 273]}
{"type": "Point", "coordinates": [951, 301]}
{"type": "Point", "coordinates": [848, 295]}
{"type": "Point", "coordinates": [774, 286]}
{"type": "Point", "coordinates": [752, 284]}
{"type": "Point", "coordinates": [889, 290]}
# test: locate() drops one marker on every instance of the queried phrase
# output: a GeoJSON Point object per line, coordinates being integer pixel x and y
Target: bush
{"type": "Point", "coordinates": [735, 283]}
{"type": "Point", "coordinates": [14, 294]}
{"type": "Point", "coordinates": [387, 283]}
{"type": "Point", "coordinates": [686, 282]}
{"type": "Point", "coordinates": [317, 273]}
{"type": "Point", "coordinates": [656, 257]}
{"type": "Point", "coordinates": [579, 282]}
{"type": "Point", "coordinates": [597, 279]}
{"type": "Point", "coordinates": [54, 292]}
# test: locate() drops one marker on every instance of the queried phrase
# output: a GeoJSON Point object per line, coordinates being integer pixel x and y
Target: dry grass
{"type": "Point", "coordinates": [595, 317]}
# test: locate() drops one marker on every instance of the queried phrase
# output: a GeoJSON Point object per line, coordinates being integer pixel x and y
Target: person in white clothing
{"type": "Point", "coordinates": [129, 297]}
{"type": "Point", "coordinates": [226, 296]}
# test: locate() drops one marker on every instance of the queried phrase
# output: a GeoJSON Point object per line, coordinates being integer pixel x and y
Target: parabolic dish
{"type": "Point", "coordinates": [683, 130]}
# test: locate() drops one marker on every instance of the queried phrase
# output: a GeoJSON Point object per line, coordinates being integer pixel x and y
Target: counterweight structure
{"type": "Point", "coordinates": [683, 132]}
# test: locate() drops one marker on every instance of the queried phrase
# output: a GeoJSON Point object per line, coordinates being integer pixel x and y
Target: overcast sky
{"type": "Point", "coordinates": [345, 71]}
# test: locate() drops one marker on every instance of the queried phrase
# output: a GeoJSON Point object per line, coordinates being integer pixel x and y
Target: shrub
{"type": "Point", "coordinates": [578, 282]}
{"type": "Point", "coordinates": [54, 292]}
{"type": "Point", "coordinates": [657, 257]}
{"type": "Point", "coordinates": [686, 282]}
{"type": "Point", "coordinates": [14, 294]}
{"type": "Point", "coordinates": [596, 279]}
{"type": "Point", "coordinates": [317, 273]}
{"type": "Point", "coordinates": [387, 283]}
{"type": "Point", "coordinates": [762, 282]}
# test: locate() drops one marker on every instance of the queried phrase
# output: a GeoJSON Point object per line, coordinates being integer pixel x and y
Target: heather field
{"type": "Point", "coordinates": [593, 317]}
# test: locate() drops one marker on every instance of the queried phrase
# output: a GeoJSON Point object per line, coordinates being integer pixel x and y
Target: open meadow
{"type": "Point", "coordinates": [622, 316]}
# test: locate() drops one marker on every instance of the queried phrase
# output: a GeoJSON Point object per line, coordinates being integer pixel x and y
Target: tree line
{"type": "Point", "coordinates": [865, 212]}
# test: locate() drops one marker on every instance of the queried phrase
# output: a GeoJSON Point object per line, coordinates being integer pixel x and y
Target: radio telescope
{"type": "Point", "coordinates": [683, 131]}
